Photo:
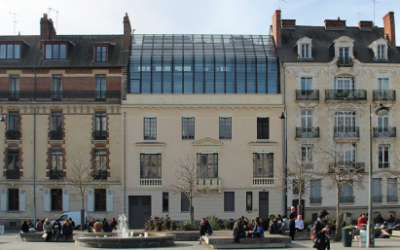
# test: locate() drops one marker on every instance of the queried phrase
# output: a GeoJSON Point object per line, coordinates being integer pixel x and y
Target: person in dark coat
{"type": "Point", "coordinates": [72, 223]}
{"type": "Point", "coordinates": [57, 228]}
{"type": "Point", "coordinates": [25, 227]}
{"type": "Point", "coordinates": [292, 222]}
{"type": "Point", "coordinates": [391, 221]}
{"type": "Point", "coordinates": [67, 229]}
{"type": "Point", "coordinates": [113, 224]}
{"type": "Point", "coordinates": [238, 230]}
{"type": "Point", "coordinates": [48, 229]}
{"type": "Point", "coordinates": [321, 231]}
{"type": "Point", "coordinates": [106, 226]}
{"type": "Point", "coordinates": [379, 220]}
{"type": "Point", "coordinates": [204, 228]}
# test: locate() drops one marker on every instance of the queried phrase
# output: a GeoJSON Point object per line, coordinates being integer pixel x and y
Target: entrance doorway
{"type": "Point", "coordinates": [139, 211]}
{"type": "Point", "coordinates": [263, 205]}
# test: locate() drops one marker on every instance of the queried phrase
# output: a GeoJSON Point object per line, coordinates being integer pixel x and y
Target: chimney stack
{"type": "Point", "coordinates": [365, 25]}
{"type": "Point", "coordinates": [127, 32]}
{"type": "Point", "coordinates": [276, 27]}
{"type": "Point", "coordinates": [335, 24]}
{"type": "Point", "coordinates": [288, 24]}
{"type": "Point", "coordinates": [388, 26]}
{"type": "Point", "coordinates": [47, 31]}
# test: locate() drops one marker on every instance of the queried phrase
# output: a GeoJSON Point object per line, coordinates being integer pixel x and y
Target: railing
{"type": "Point", "coordinates": [99, 135]}
{"type": "Point", "coordinates": [13, 134]}
{"type": "Point", "coordinates": [12, 173]}
{"type": "Point", "coordinates": [384, 95]}
{"type": "Point", "coordinates": [209, 184]}
{"type": "Point", "coordinates": [346, 94]}
{"type": "Point", "coordinates": [308, 95]}
{"type": "Point", "coordinates": [150, 182]}
{"type": "Point", "coordinates": [100, 175]}
{"type": "Point", "coordinates": [56, 174]}
{"type": "Point", "coordinates": [307, 132]}
{"type": "Point", "coordinates": [263, 182]}
{"type": "Point", "coordinates": [377, 198]}
{"type": "Point", "coordinates": [346, 131]}
{"type": "Point", "coordinates": [347, 166]}
{"type": "Point", "coordinates": [315, 199]}
{"type": "Point", "coordinates": [384, 165]}
{"type": "Point", "coordinates": [112, 96]}
{"type": "Point", "coordinates": [385, 132]}
{"type": "Point", "coordinates": [346, 199]}
{"type": "Point", "coordinates": [56, 135]}
{"type": "Point", "coordinates": [391, 198]}
{"type": "Point", "coordinates": [345, 62]}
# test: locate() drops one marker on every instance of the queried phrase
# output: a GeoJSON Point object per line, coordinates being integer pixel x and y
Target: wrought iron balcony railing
{"type": "Point", "coordinates": [384, 95]}
{"type": "Point", "coordinates": [347, 166]}
{"type": "Point", "coordinates": [346, 199]}
{"type": "Point", "coordinates": [56, 135]}
{"type": "Point", "coordinates": [345, 62]}
{"type": "Point", "coordinates": [315, 199]}
{"type": "Point", "coordinates": [308, 95]}
{"type": "Point", "coordinates": [99, 135]}
{"type": "Point", "coordinates": [56, 174]}
{"type": "Point", "coordinates": [13, 134]}
{"type": "Point", "coordinates": [391, 198]}
{"type": "Point", "coordinates": [100, 175]}
{"type": "Point", "coordinates": [307, 132]}
{"type": "Point", "coordinates": [111, 96]}
{"type": "Point", "coordinates": [12, 173]}
{"type": "Point", "coordinates": [346, 131]}
{"type": "Point", "coordinates": [385, 132]}
{"type": "Point", "coordinates": [346, 94]}
{"type": "Point", "coordinates": [377, 198]}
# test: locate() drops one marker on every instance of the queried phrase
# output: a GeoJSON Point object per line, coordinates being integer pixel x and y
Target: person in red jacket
{"type": "Point", "coordinates": [362, 222]}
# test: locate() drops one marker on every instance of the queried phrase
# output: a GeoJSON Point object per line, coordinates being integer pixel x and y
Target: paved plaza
{"type": "Point", "coordinates": [9, 242]}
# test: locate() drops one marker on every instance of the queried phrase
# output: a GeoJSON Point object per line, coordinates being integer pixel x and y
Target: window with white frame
{"type": "Point", "coordinates": [150, 128]}
{"type": "Point", "coordinates": [306, 83]}
{"type": "Point", "coordinates": [377, 190]}
{"type": "Point", "coordinates": [307, 155]}
{"type": "Point", "coordinates": [263, 165]}
{"type": "Point", "coordinates": [306, 118]}
{"type": "Point", "coordinates": [344, 52]}
{"type": "Point", "coordinates": [392, 190]}
{"type": "Point", "coordinates": [305, 50]}
{"type": "Point", "coordinates": [346, 193]}
{"type": "Point", "coordinates": [187, 128]}
{"type": "Point", "coordinates": [381, 52]}
{"type": "Point", "coordinates": [383, 156]}
{"type": "Point", "coordinates": [344, 83]}
{"type": "Point", "coordinates": [383, 123]}
{"type": "Point", "coordinates": [150, 166]}
{"type": "Point", "coordinates": [345, 124]}
{"type": "Point", "coordinates": [345, 153]}
{"type": "Point", "coordinates": [383, 84]}
{"type": "Point", "coordinates": [207, 165]}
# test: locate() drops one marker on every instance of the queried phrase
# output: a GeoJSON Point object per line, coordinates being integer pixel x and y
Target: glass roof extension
{"type": "Point", "coordinates": [203, 64]}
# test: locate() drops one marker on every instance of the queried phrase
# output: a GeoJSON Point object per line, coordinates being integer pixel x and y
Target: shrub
{"type": "Point", "coordinates": [155, 222]}
{"type": "Point", "coordinates": [333, 222]}
{"type": "Point", "coordinates": [173, 225]}
{"type": "Point", "coordinates": [188, 226]}
{"type": "Point", "coordinates": [167, 225]}
{"type": "Point", "coordinates": [229, 224]}
{"type": "Point", "coordinates": [215, 224]}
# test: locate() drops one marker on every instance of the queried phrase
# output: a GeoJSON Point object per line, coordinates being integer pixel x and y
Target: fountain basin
{"type": "Point", "coordinates": [98, 241]}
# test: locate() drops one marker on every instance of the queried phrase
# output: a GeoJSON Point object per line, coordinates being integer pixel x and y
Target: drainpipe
{"type": "Point", "coordinates": [285, 146]}
{"type": "Point", "coordinates": [34, 148]}
{"type": "Point", "coordinates": [125, 163]}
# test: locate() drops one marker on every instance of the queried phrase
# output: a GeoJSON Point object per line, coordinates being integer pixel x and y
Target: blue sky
{"type": "Point", "coordinates": [185, 16]}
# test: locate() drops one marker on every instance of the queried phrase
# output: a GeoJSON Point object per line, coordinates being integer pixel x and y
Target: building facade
{"type": "Point", "coordinates": [331, 75]}
{"type": "Point", "coordinates": [60, 99]}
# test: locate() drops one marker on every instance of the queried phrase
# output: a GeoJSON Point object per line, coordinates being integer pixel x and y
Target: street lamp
{"type": "Point", "coordinates": [283, 117]}
{"type": "Point", "coordinates": [379, 110]}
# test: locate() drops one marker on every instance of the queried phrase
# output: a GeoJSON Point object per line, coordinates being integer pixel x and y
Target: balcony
{"type": "Point", "coordinates": [109, 96]}
{"type": "Point", "coordinates": [56, 174]}
{"type": "Point", "coordinates": [263, 182]}
{"type": "Point", "coordinates": [307, 95]}
{"type": "Point", "coordinates": [100, 175]}
{"type": "Point", "coordinates": [346, 199]}
{"type": "Point", "coordinates": [315, 199]}
{"type": "Point", "coordinates": [385, 132]}
{"type": "Point", "coordinates": [347, 166]}
{"type": "Point", "coordinates": [377, 198]}
{"type": "Point", "coordinates": [345, 95]}
{"type": "Point", "coordinates": [150, 183]}
{"type": "Point", "coordinates": [345, 62]}
{"type": "Point", "coordinates": [100, 135]}
{"type": "Point", "coordinates": [209, 184]}
{"type": "Point", "coordinates": [13, 134]}
{"type": "Point", "coordinates": [346, 131]}
{"type": "Point", "coordinates": [56, 135]}
{"type": "Point", "coordinates": [391, 198]}
{"type": "Point", "coordinates": [307, 132]}
{"type": "Point", "coordinates": [384, 95]}
{"type": "Point", "coordinates": [12, 173]}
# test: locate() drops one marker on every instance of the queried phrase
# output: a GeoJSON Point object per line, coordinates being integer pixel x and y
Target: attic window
{"type": "Point", "coordinates": [379, 47]}
{"type": "Point", "coordinates": [381, 52]}
{"type": "Point", "coordinates": [55, 51]}
{"type": "Point", "coordinates": [304, 46]}
{"type": "Point", "coordinates": [305, 50]}
{"type": "Point", "coordinates": [101, 53]}
{"type": "Point", "coordinates": [10, 51]}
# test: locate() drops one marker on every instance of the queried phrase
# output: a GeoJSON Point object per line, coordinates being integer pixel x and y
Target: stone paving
{"type": "Point", "coordinates": [9, 242]}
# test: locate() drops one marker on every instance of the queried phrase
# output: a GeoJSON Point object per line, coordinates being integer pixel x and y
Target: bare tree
{"type": "Point", "coordinates": [186, 179]}
{"type": "Point", "coordinates": [339, 169]}
{"type": "Point", "coordinates": [79, 177]}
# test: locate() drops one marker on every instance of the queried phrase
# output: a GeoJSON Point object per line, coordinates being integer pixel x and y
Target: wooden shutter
{"type": "Point", "coordinates": [90, 200]}
{"type": "Point", "coordinates": [65, 200]}
{"type": "Point", "coordinates": [22, 199]}
{"type": "Point", "coordinates": [46, 200]}
{"type": "Point", "coordinates": [110, 200]}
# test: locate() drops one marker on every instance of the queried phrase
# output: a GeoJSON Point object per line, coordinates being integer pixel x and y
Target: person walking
{"type": "Point", "coordinates": [321, 231]}
{"type": "Point", "coordinates": [67, 229]}
{"type": "Point", "coordinates": [48, 229]}
{"type": "Point", "coordinates": [292, 222]}
{"type": "Point", "coordinates": [57, 228]}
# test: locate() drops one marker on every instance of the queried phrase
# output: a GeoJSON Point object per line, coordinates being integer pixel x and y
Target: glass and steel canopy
{"type": "Point", "coordinates": [203, 64]}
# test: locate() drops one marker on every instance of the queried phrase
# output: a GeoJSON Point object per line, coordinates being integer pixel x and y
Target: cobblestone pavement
{"type": "Point", "coordinates": [9, 242]}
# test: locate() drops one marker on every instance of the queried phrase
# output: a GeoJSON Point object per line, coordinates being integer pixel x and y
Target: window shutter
{"type": "Point", "coordinates": [22, 200]}
{"type": "Point", "coordinates": [90, 200]}
{"type": "Point", "coordinates": [110, 200]}
{"type": "Point", "coordinates": [3, 199]}
{"type": "Point", "coordinates": [65, 201]}
{"type": "Point", "coordinates": [46, 200]}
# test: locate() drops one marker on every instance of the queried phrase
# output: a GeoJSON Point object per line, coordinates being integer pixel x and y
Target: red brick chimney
{"type": "Point", "coordinates": [288, 23]}
{"type": "Point", "coordinates": [276, 27]}
{"type": "Point", "coordinates": [127, 32]}
{"type": "Point", "coordinates": [335, 24]}
{"type": "Point", "coordinates": [388, 26]}
{"type": "Point", "coordinates": [47, 31]}
{"type": "Point", "coordinates": [365, 25]}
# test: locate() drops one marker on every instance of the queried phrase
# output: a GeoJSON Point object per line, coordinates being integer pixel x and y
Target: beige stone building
{"type": "Point", "coordinates": [331, 75]}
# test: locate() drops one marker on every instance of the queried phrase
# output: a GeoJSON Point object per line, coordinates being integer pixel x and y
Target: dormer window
{"type": "Point", "coordinates": [55, 51]}
{"type": "Point", "coordinates": [379, 47]}
{"type": "Point", "coordinates": [304, 46]}
{"type": "Point", "coordinates": [381, 52]}
{"type": "Point", "coordinates": [101, 53]}
{"type": "Point", "coordinates": [343, 53]}
{"type": "Point", "coordinates": [10, 51]}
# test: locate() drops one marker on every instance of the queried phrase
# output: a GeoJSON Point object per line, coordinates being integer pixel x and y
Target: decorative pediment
{"type": "Point", "coordinates": [207, 142]}
{"type": "Point", "coordinates": [304, 40]}
{"type": "Point", "coordinates": [344, 39]}
{"type": "Point", "coordinates": [150, 147]}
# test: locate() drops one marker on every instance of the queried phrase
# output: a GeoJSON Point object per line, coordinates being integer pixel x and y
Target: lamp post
{"type": "Point", "coordinates": [284, 117]}
{"type": "Point", "coordinates": [379, 110]}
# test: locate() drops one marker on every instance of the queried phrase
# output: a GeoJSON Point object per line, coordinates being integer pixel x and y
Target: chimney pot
{"type": "Point", "coordinates": [389, 29]}
{"type": "Point", "coordinates": [127, 32]}
{"type": "Point", "coordinates": [365, 25]}
{"type": "Point", "coordinates": [335, 24]}
{"type": "Point", "coordinates": [288, 23]}
{"type": "Point", "coordinates": [276, 27]}
{"type": "Point", "coordinates": [338, 18]}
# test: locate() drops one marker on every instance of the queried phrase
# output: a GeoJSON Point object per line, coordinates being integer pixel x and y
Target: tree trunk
{"type": "Point", "coordinates": [191, 209]}
{"type": "Point", "coordinates": [83, 219]}
{"type": "Point", "coordinates": [338, 234]}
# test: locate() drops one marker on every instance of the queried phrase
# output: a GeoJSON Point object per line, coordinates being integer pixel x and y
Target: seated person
{"type": "Point", "coordinates": [97, 227]}
{"type": "Point", "coordinates": [299, 224]}
{"type": "Point", "coordinates": [274, 227]}
{"type": "Point", "coordinates": [258, 230]}
{"type": "Point", "coordinates": [238, 230]}
{"type": "Point", "coordinates": [362, 221]}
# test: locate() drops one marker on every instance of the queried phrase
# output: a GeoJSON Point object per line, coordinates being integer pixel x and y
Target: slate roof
{"type": "Point", "coordinates": [322, 41]}
{"type": "Point", "coordinates": [80, 52]}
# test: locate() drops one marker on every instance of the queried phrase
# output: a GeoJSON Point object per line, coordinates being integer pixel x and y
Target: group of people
{"type": "Point", "coordinates": [101, 226]}
{"type": "Point", "coordinates": [255, 230]}
{"type": "Point", "coordinates": [378, 221]}
{"type": "Point", "coordinates": [49, 229]}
